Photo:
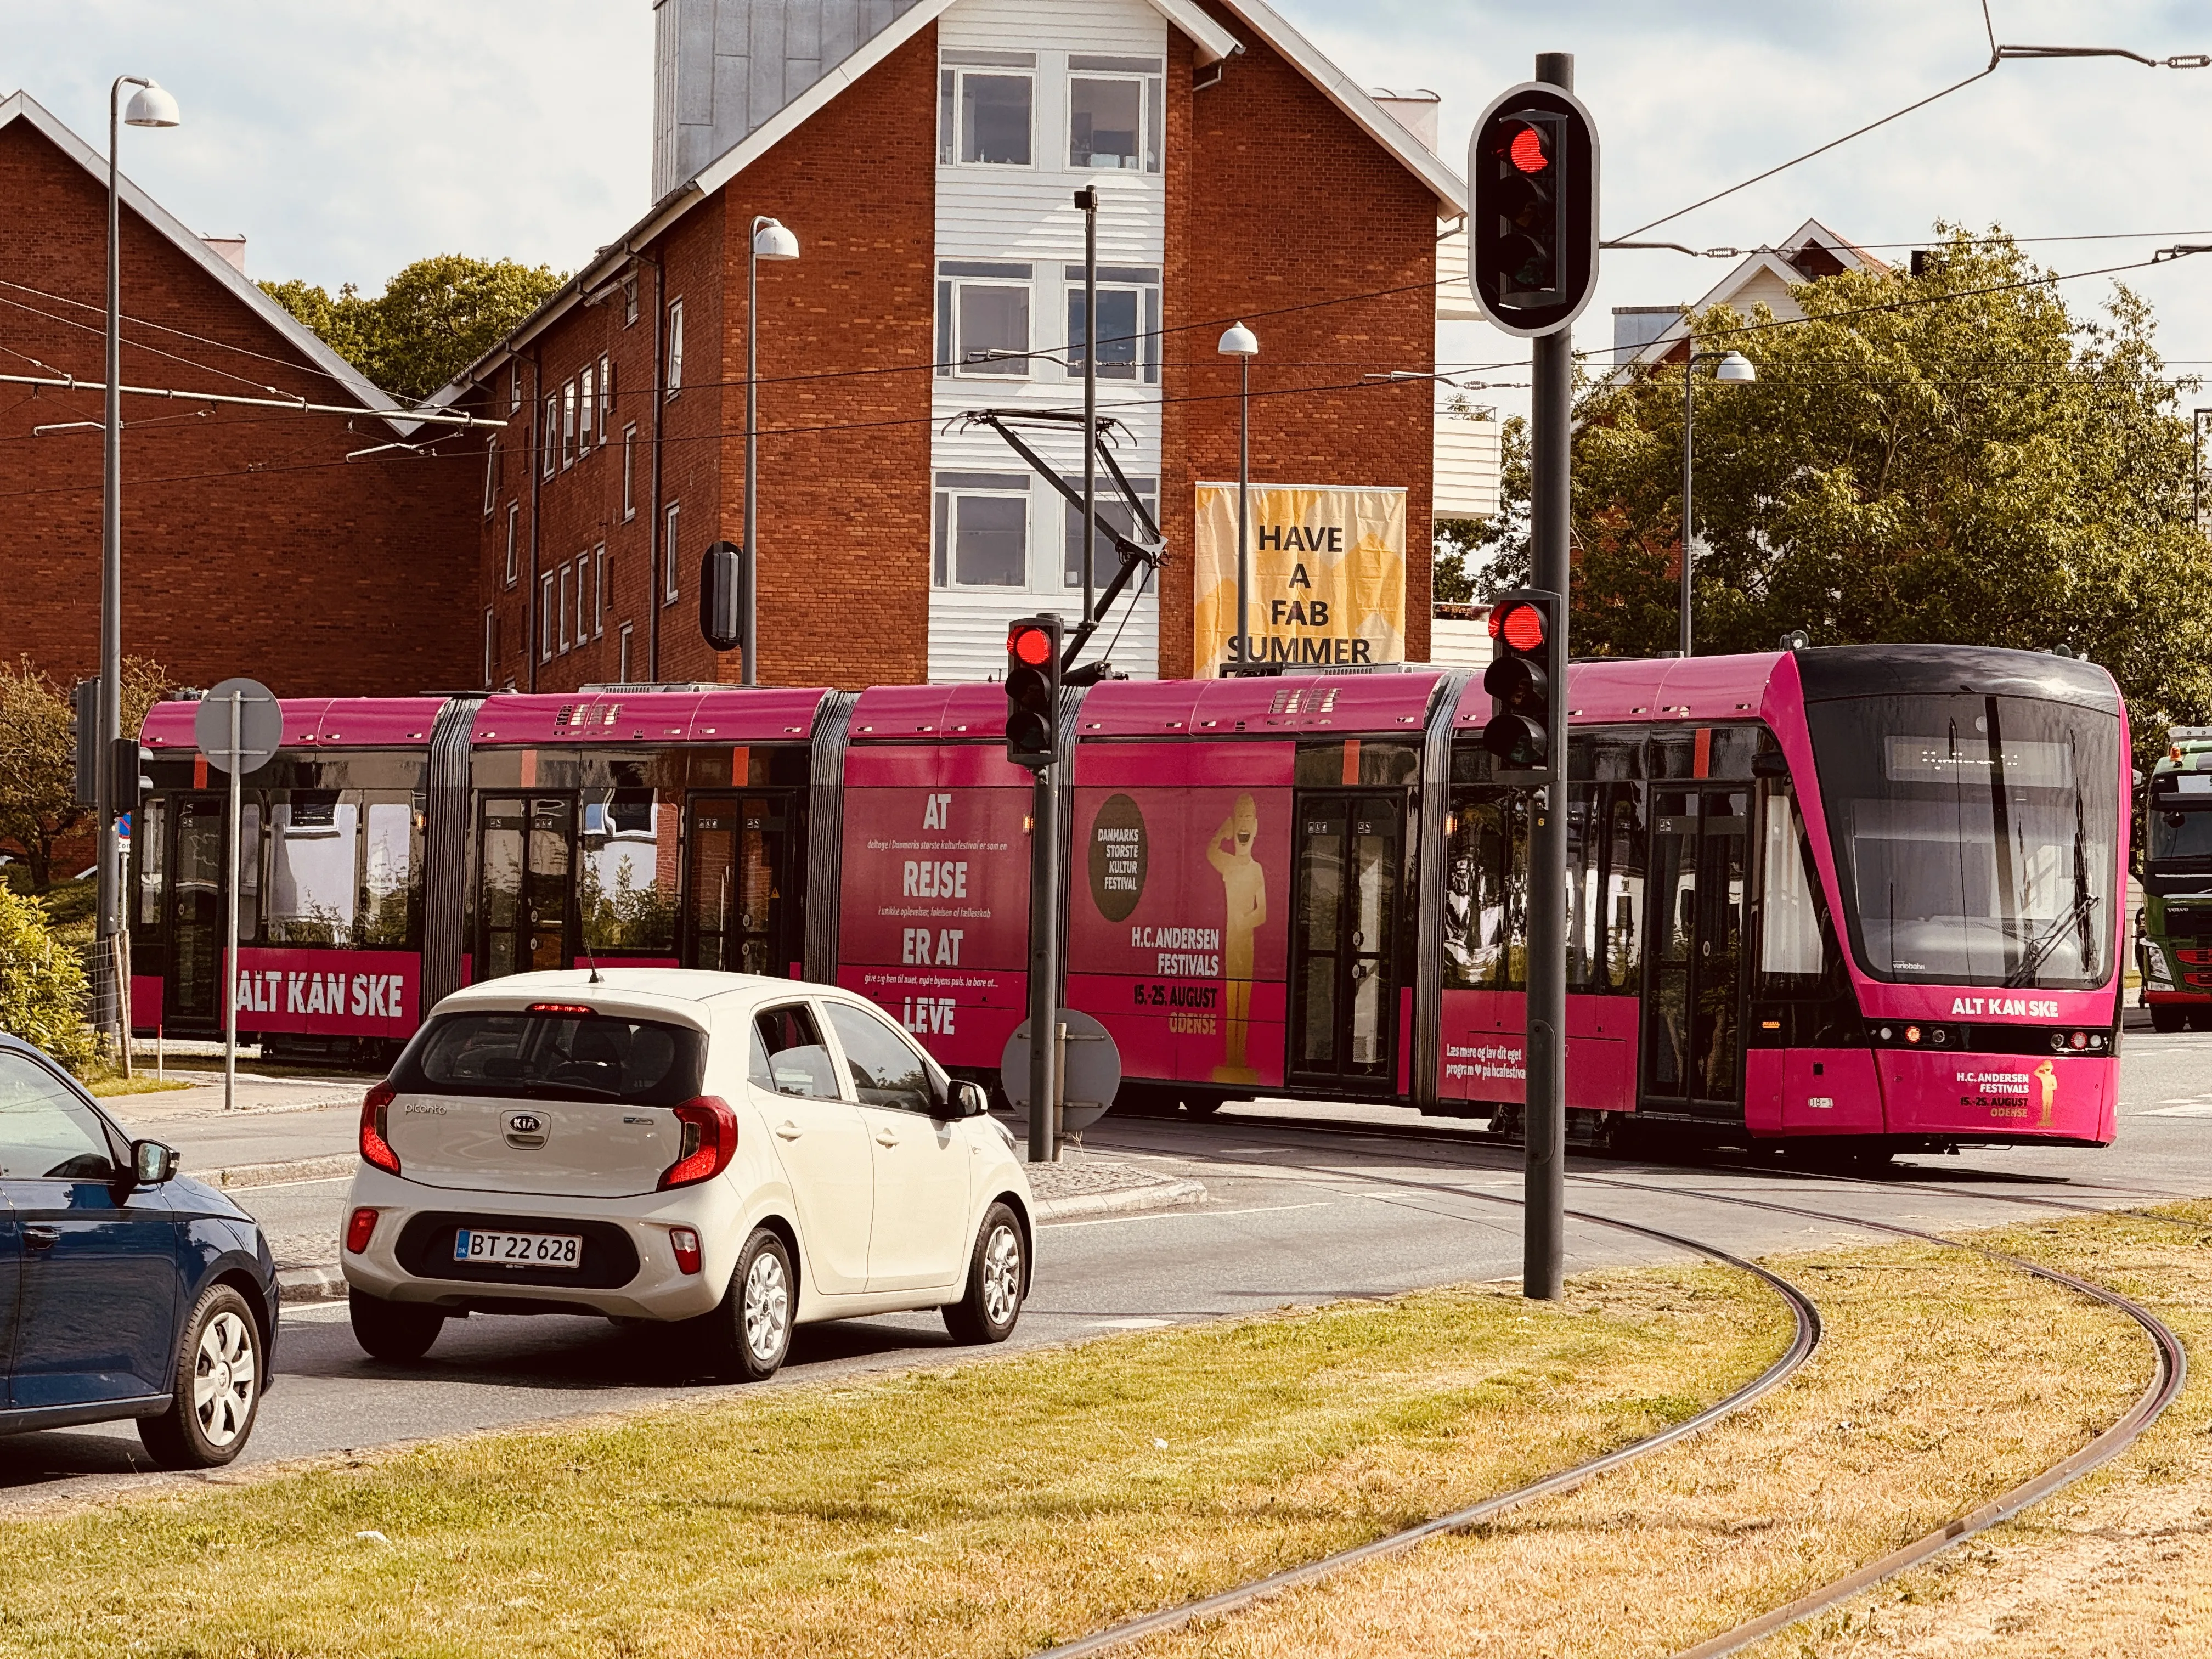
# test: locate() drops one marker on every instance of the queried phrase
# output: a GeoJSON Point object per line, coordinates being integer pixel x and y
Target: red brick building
{"type": "Point", "coordinates": [926, 155]}
{"type": "Point", "coordinates": [251, 543]}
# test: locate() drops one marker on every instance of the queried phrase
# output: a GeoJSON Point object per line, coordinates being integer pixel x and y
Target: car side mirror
{"type": "Point", "coordinates": [151, 1163]}
{"type": "Point", "coordinates": [965, 1099]}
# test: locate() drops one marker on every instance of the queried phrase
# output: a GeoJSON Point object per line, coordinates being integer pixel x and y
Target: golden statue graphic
{"type": "Point", "coordinates": [1244, 891]}
{"type": "Point", "coordinates": [2047, 1075]}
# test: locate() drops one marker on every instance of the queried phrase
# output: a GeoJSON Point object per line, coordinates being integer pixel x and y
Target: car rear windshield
{"type": "Point", "coordinates": [565, 1056]}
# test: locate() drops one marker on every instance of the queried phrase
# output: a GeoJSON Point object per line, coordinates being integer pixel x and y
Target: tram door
{"type": "Point", "coordinates": [196, 923]}
{"type": "Point", "coordinates": [528, 850]}
{"type": "Point", "coordinates": [741, 852]}
{"type": "Point", "coordinates": [1693, 995]}
{"type": "Point", "coordinates": [1347, 889]}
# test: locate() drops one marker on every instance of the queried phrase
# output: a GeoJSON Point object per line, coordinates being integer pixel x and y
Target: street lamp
{"type": "Point", "coordinates": [150, 106]}
{"type": "Point", "coordinates": [1736, 369]}
{"type": "Point", "coordinates": [770, 241]}
{"type": "Point", "coordinates": [1240, 342]}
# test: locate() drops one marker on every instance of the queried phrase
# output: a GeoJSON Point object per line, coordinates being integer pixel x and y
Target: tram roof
{"type": "Point", "coordinates": [726, 714]}
{"type": "Point", "coordinates": [314, 722]}
{"type": "Point", "coordinates": [1604, 693]}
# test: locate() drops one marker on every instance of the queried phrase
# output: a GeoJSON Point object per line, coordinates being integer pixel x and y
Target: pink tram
{"type": "Point", "coordinates": [1867, 893]}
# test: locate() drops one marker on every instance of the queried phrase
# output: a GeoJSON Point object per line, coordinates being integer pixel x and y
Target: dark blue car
{"type": "Point", "coordinates": [126, 1290]}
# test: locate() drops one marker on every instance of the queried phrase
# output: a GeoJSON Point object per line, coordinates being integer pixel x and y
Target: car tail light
{"type": "Point", "coordinates": [710, 1141]}
{"type": "Point", "coordinates": [374, 1148]}
{"type": "Point", "coordinates": [685, 1243]}
{"type": "Point", "coordinates": [584, 1008]}
{"type": "Point", "coordinates": [358, 1229]}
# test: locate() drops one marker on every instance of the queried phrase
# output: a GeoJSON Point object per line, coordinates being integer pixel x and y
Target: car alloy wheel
{"type": "Point", "coordinates": [767, 1310]}
{"type": "Point", "coordinates": [225, 1378]}
{"type": "Point", "coordinates": [1002, 1274]}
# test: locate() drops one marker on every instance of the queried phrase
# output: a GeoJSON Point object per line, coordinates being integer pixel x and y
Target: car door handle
{"type": "Point", "coordinates": [787, 1130]}
{"type": "Point", "coordinates": [39, 1236]}
{"type": "Point", "coordinates": [886, 1137]}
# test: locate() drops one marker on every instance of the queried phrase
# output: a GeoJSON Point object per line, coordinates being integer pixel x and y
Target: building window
{"type": "Point", "coordinates": [983, 306]}
{"type": "Point", "coordinates": [984, 112]}
{"type": "Point", "coordinates": [546, 435]}
{"type": "Point", "coordinates": [599, 591]}
{"type": "Point", "coordinates": [1105, 560]}
{"type": "Point", "coordinates": [1105, 122]}
{"type": "Point", "coordinates": [630, 457]}
{"type": "Point", "coordinates": [622, 656]}
{"type": "Point", "coordinates": [513, 537]}
{"type": "Point", "coordinates": [567, 423]}
{"type": "Point", "coordinates": [629, 301]}
{"type": "Point", "coordinates": [1128, 322]}
{"type": "Point", "coordinates": [545, 618]}
{"type": "Point", "coordinates": [982, 530]}
{"type": "Point", "coordinates": [606, 395]}
{"type": "Point", "coordinates": [563, 604]}
{"type": "Point", "coordinates": [491, 646]}
{"type": "Point", "coordinates": [491, 476]}
{"type": "Point", "coordinates": [513, 388]}
{"type": "Point", "coordinates": [668, 520]}
{"type": "Point", "coordinates": [587, 408]}
{"type": "Point", "coordinates": [675, 346]}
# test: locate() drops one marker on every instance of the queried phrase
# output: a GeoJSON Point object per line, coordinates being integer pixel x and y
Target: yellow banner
{"type": "Point", "coordinates": [1328, 576]}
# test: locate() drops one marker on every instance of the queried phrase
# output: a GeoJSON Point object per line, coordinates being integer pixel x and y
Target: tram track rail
{"type": "Point", "coordinates": [2169, 1376]}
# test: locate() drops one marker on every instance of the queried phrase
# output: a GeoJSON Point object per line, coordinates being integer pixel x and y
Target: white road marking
{"type": "Point", "coordinates": [1131, 1324]}
{"type": "Point", "coordinates": [2194, 1109]}
{"type": "Point", "coordinates": [1181, 1215]}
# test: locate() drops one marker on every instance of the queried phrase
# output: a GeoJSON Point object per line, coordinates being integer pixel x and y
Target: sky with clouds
{"type": "Point", "coordinates": [345, 138]}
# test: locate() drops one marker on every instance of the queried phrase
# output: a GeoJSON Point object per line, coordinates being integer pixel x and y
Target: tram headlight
{"type": "Point", "coordinates": [2058, 1042]}
{"type": "Point", "coordinates": [2079, 1040]}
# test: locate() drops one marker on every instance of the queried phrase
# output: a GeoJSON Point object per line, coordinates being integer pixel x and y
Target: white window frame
{"type": "Point", "coordinates": [675, 383]}
{"type": "Point", "coordinates": [1148, 93]}
{"type": "Point", "coordinates": [491, 475]}
{"type": "Point", "coordinates": [549, 437]}
{"type": "Point", "coordinates": [953, 69]}
{"type": "Point", "coordinates": [564, 572]}
{"type": "Point", "coordinates": [490, 645]}
{"type": "Point", "coordinates": [513, 388]}
{"type": "Point", "coordinates": [622, 655]}
{"type": "Point", "coordinates": [1145, 371]}
{"type": "Point", "coordinates": [671, 523]}
{"type": "Point", "coordinates": [599, 591]}
{"type": "Point", "coordinates": [629, 457]}
{"type": "Point", "coordinates": [950, 489]}
{"type": "Point", "coordinates": [606, 395]}
{"type": "Point", "coordinates": [545, 618]}
{"type": "Point", "coordinates": [513, 539]}
{"type": "Point", "coordinates": [587, 414]}
{"type": "Point", "coordinates": [629, 299]}
{"type": "Point", "coordinates": [955, 278]}
{"type": "Point", "coordinates": [567, 424]}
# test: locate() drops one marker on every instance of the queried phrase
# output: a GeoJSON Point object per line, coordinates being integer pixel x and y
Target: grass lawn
{"type": "Point", "coordinates": [144, 1084]}
{"type": "Point", "coordinates": [992, 1508]}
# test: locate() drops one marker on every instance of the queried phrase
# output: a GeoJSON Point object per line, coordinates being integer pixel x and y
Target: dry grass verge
{"type": "Point", "coordinates": [985, 1509]}
{"type": "Point", "coordinates": [1944, 1379]}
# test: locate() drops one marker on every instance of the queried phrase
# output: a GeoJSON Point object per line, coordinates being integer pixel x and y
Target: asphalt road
{"type": "Point", "coordinates": [1296, 1215]}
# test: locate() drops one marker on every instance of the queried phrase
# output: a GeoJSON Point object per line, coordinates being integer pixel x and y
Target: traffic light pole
{"type": "Point", "coordinates": [1044, 969]}
{"type": "Point", "coordinates": [1544, 1181]}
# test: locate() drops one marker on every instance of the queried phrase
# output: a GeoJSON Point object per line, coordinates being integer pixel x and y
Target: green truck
{"type": "Point", "coordinates": [2173, 929]}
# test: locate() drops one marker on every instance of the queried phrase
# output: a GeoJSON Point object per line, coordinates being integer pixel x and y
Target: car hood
{"type": "Point", "coordinates": [197, 1198]}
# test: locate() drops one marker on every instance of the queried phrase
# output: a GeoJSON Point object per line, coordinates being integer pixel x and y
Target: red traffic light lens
{"type": "Point", "coordinates": [1528, 151]}
{"type": "Point", "coordinates": [1522, 627]}
{"type": "Point", "coordinates": [1032, 645]}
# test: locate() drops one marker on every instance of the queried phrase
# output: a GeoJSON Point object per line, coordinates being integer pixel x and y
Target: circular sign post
{"type": "Point", "coordinates": [1090, 1074]}
{"type": "Point", "coordinates": [238, 727]}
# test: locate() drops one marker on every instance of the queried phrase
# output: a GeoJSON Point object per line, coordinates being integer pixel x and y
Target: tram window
{"type": "Point", "coordinates": [389, 875]}
{"type": "Point", "coordinates": [626, 875]}
{"type": "Point", "coordinates": [1790, 921]}
{"type": "Point", "coordinates": [146, 846]}
{"type": "Point", "coordinates": [1624, 892]}
{"type": "Point", "coordinates": [1585, 870]}
{"type": "Point", "coordinates": [311, 897]}
{"type": "Point", "coordinates": [1485, 895]}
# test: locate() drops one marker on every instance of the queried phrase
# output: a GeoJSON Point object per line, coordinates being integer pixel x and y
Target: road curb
{"type": "Point", "coordinates": [1163, 1194]}
{"type": "Point", "coordinates": [233, 1176]}
{"type": "Point", "coordinates": [298, 1285]}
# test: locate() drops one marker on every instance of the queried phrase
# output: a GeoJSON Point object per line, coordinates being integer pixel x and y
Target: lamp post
{"type": "Point", "coordinates": [150, 106]}
{"type": "Point", "coordinates": [770, 241]}
{"type": "Point", "coordinates": [1240, 342]}
{"type": "Point", "coordinates": [1735, 368]}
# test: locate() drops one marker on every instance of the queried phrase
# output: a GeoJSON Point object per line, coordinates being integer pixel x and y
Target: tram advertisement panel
{"type": "Point", "coordinates": [328, 993]}
{"type": "Point", "coordinates": [1179, 906]}
{"type": "Point", "coordinates": [934, 900]}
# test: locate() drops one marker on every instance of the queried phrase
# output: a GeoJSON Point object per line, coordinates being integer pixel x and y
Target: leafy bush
{"type": "Point", "coordinates": [42, 986]}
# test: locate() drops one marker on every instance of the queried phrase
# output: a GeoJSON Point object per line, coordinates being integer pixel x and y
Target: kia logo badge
{"type": "Point", "coordinates": [524, 1129]}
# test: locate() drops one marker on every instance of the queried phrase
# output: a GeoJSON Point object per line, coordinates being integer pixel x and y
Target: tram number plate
{"type": "Point", "coordinates": [519, 1249]}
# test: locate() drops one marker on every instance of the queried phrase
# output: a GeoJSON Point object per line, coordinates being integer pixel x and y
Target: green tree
{"type": "Point", "coordinates": [1953, 458]}
{"type": "Point", "coordinates": [434, 318]}
{"type": "Point", "coordinates": [42, 986]}
{"type": "Point", "coordinates": [38, 758]}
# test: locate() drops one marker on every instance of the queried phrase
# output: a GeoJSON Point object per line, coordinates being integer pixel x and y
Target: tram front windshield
{"type": "Point", "coordinates": [1975, 835]}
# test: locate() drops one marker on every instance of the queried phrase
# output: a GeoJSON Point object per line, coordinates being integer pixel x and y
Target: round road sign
{"type": "Point", "coordinates": [1094, 1072]}
{"type": "Point", "coordinates": [260, 724]}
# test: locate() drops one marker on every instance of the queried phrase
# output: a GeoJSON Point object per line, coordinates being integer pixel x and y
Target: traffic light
{"type": "Point", "coordinates": [1523, 669]}
{"type": "Point", "coordinates": [84, 730]}
{"type": "Point", "coordinates": [129, 762]}
{"type": "Point", "coordinates": [1532, 225]}
{"type": "Point", "coordinates": [722, 596]}
{"type": "Point", "coordinates": [1033, 692]}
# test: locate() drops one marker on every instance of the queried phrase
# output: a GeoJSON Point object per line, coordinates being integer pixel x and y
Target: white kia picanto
{"type": "Point", "coordinates": [732, 1154]}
